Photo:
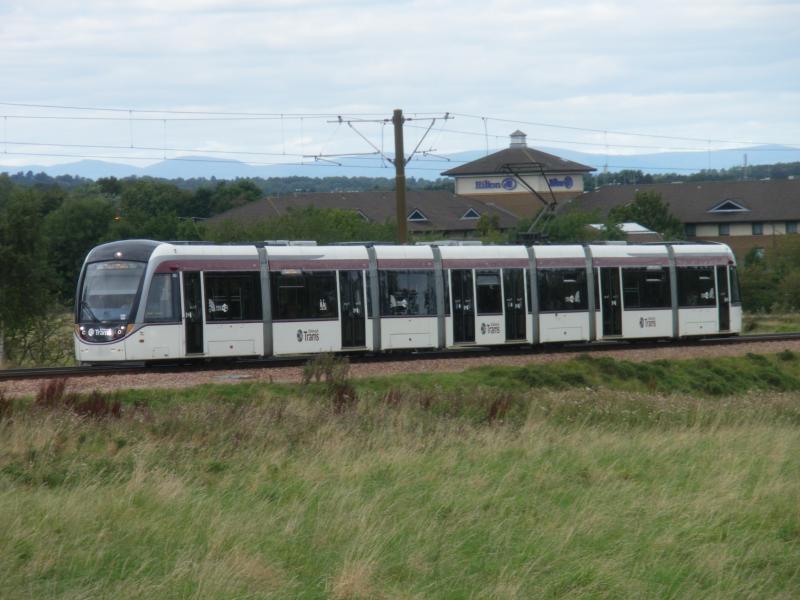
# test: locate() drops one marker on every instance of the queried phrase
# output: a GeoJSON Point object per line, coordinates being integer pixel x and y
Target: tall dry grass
{"type": "Point", "coordinates": [408, 494]}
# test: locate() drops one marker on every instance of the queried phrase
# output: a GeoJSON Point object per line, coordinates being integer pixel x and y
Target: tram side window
{"type": "Point", "coordinates": [736, 295]}
{"type": "Point", "coordinates": [490, 301]}
{"type": "Point", "coordinates": [163, 299]}
{"type": "Point", "coordinates": [407, 293]}
{"type": "Point", "coordinates": [233, 297]}
{"type": "Point", "coordinates": [299, 295]}
{"type": "Point", "coordinates": [562, 289]}
{"type": "Point", "coordinates": [445, 276]}
{"type": "Point", "coordinates": [646, 288]}
{"type": "Point", "coordinates": [696, 286]}
{"type": "Point", "coordinates": [530, 294]}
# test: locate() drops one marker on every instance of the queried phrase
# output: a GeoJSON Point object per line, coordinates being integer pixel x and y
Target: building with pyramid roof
{"type": "Point", "coordinates": [511, 178]}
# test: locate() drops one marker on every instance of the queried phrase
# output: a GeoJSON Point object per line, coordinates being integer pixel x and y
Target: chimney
{"type": "Point", "coordinates": [518, 140]}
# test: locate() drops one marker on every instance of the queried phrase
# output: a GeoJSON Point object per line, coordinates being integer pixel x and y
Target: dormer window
{"type": "Point", "coordinates": [470, 215]}
{"type": "Point", "coordinates": [362, 215]}
{"type": "Point", "coordinates": [728, 206]}
{"type": "Point", "coordinates": [416, 216]}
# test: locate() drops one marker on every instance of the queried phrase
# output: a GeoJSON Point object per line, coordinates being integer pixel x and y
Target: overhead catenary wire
{"type": "Point", "coordinates": [178, 112]}
{"type": "Point", "coordinates": [235, 115]}
{"type": "Point", "coordinates": [132, 115]}
{"type": "Point", "coordinates": [603, 145]}
{"type": "Point", "coordinates": [613, 132]}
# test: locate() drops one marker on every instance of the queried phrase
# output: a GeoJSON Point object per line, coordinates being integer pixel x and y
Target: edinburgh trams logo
{"type": "Point", "coordinates": [647, 322]}
{"type": "Point", "coordinates": [307, 335]}
{"type": "Point", "coordinates": [490, 328]}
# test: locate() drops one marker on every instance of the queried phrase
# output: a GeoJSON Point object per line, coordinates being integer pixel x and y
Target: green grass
{"type": "Point", "coordinates": [754, 323]}
{"type": "Point", "coordinates": [576, 479]}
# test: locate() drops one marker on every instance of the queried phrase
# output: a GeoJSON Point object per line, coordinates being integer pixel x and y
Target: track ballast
{"type": "Point", "coordinates": [294, 361]}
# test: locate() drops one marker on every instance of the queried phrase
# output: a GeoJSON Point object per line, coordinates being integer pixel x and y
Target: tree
{"type": "Point", "coordinates": [149, 209]}
{"type": "Point", "coordinates": [575, 226]}
{"type": "Point", "coordinates": [25, 285]}
{"type": "Point", "coordinates": [323, 225]}
{"type": "Point", "coordinates": [232, 195]}
{"type": "Point", "coordinates": [488, 228]}
{"type": "Point", "coordinates": [71, 230]}
{"type": "Point", "coordinates": [650, 210]}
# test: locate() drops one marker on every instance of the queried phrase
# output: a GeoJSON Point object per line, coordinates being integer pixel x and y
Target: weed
{"type": "Point", "coordinates": [498, 408]}
{"type": "Point", "coordinates": [334, 371]}
{"type": "Point", "coordinates": [52, 395]}
{"type": "Point", "coordinates": [6, 406]}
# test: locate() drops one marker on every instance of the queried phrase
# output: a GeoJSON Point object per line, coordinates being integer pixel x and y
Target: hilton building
{"type": "Point", "coordinates": [504, 179]}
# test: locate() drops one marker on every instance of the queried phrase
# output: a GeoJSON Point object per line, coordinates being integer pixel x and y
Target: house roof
{"type": "Point", "coordinates": [777, 200]}
{"type": "Point", "coordinates": [524, 160]}
{"type": "Point", "coordinates": [443, 209]}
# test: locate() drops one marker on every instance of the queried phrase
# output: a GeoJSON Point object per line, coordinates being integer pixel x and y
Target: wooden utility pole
{"type": "Point", "coordinates": [399, 161]}
{"type": "Point", "coordinates": [400, 176]}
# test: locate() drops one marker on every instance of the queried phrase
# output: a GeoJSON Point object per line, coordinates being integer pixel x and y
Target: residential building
{"type": "Point", "coordinates": [742, 214]}
{"type": "Point", "coordinates": [428, 211]}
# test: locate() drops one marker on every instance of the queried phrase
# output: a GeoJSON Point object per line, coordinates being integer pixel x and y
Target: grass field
{"type": "Point", "coordinates": [771, 323]}
{"type": "Point", "coordinates": [591, 478]}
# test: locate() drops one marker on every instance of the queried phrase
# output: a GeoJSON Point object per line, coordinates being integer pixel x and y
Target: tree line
{"type": "Point", "coordinates": [737, 173]}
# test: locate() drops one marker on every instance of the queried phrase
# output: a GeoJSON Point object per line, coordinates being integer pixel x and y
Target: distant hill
{"type": "Point", "coordinates": [426, 167]}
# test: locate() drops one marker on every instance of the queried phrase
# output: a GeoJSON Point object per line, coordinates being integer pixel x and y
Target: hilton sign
{"type": "Point", "coordinates": [519, 185]}
{"type": "Point", "coordinates": [508, 183]}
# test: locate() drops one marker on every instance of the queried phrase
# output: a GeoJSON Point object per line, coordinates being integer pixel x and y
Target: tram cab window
{"type": "Point", "coordinates": [646, 288]}
{"type": "Point", "coordinates": [407, 293]}
{"type": "Point", "coordinates": [562, 290]}
{"type": "Point", "coordinates": [163, 299]}
{"type": "Point", "coordinates": [298, 295]}
{"type": "Point", "coordinates": [696, 286]}
{"type": "Point", "coordinates": [490, 301]}
{"type": "Point", "coordinates": [233, 297]}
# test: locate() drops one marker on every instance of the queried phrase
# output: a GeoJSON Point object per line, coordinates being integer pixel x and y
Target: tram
{"type": "Point", "coordinates": [144, 300]}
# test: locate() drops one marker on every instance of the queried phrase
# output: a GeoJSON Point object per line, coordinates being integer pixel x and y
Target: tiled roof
{"type": "Point", "coordinates": [443, 209]}
{"type": "Point", "coordinates": [777, 200]}
{"type": "Point", "coordinates": [525, 160]}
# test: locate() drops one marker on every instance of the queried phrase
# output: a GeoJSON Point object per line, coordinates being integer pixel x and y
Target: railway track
{"type": "Point", "coordinates": [294, 361]}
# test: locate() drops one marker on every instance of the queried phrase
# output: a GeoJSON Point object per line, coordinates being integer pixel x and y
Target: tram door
{"type": "Point", "coordinates": [351, 296]}
{"type": "Point", "coordinates": [514, 298]}
{"type": "Point", "coordinates": [724, 299]}
{"type": "Point", "coordinates": [463, 306]}
{"type": "Point", "coordinates": [610, 301]}
{"type": "Point", "coordinates": [193, 312]}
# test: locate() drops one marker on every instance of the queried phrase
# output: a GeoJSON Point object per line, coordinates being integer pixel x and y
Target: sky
{"type": "Point", "coordinates": [574, 74]}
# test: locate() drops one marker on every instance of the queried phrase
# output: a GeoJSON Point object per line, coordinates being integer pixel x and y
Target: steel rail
{"type": "Point", "coordinates": [356, 358]}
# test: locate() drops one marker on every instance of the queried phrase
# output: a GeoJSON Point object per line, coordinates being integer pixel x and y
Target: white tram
{"type": "Point", "coordinates": [141, 300]}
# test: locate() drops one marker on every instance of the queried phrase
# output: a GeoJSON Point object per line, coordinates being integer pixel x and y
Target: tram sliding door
{"type": "Point", "coordinates": [724, 299]}
{"type": "Point", "coordinates": [463, 306]}
{"type": "Point", "coordinates": [193, 312]}
{"type": "Point", "coordinates": [611, 304]}
{"type": "Point", "coordinates": [351, 296]}
{"type": "Point", "coordinates": [514, 298]}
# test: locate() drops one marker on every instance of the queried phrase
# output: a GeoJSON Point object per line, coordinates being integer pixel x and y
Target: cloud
{"type": "Point", "coordinates": [712, 69]}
